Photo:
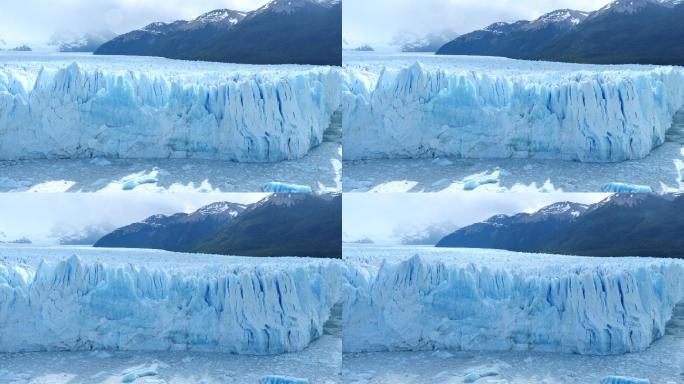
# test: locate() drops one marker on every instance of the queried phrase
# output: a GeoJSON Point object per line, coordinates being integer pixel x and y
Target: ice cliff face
{"type": "Point", "coordinates": [485, 300]}
{"type": "Point", "coordinates": [156, 108]}
{"type": "Point", "coordinates": [474, 107]}
{"type": "Point", "coordinates": [245, 307]}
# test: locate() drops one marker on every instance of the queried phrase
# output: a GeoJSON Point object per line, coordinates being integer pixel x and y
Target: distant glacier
{"type": "Point", "coordinates": [55, 299]}
{"type": "Point", "coordinates": [422, 106]}
{"type": "Point", "coordinates": [80, 106]}
{"type": "Point", "coordinates": [410, 299]}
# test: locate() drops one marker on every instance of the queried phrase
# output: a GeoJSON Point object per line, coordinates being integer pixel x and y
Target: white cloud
{"type": "Point", "coordinates": [37, 216]}
{"type": "Point", "coordinates": [34, 21]}
{"type": "Point", "coordinates": [375, 22]}
{"type": "Point", "coordinates": [377, 216]}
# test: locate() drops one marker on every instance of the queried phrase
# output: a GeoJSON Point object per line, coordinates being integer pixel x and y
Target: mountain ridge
{"type": "Point", "coordinates": [620, 225]}
{"type": "Point", "coordinates": [604, 36]}
{"type": "Point", "coordinates": [280, 32]}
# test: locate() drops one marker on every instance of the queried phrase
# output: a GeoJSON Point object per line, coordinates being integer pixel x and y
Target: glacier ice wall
{"type": "Point", "coordinates": [78, 305]}
{"type": "Point", "coordinates": [82, 110]}
{"type": "Point", "coordinates": [429, 107]}
{"type": "Point", "coordinates": [423, 303]}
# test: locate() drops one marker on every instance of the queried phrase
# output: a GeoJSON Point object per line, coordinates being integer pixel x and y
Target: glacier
{"type": "Point", "coordinates": [84, 106]}
{"type": "Point", "coordinates": [71, 298]}
{"type": "Point", "coordinates": [423, 106]}
{"type": "Point", "coordinates": [412, 299]}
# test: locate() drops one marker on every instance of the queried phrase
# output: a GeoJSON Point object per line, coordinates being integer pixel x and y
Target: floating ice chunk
{"type": "Point", "coordinates": [480, 373]}
{"type": "Point", "coordinates": [623, 380]}
{"type": "Point", "coordinates": [281, 380]}
{"type": "Point", "coordinates": [474, 181]}
{"type": "Point", "coordinates": [278, 187]}
{"type": "Point", "coordinates": [138, 372]}
{"type": "Point", "coordinates": [135, 180]}
{"type": "Point", "coordinates": [54, 186]}
{"type": "Point", "coordinates": [626, 188]}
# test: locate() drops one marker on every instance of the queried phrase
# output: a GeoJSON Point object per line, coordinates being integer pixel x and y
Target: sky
{"type": "Point", "coordinates": [38, 216]}
{"type": "Point", "coordinates": [377, 216]}
{"type": "Point", "coordinates": [34, 21]}
{"type": "Point", "coordinates": [375, 22]}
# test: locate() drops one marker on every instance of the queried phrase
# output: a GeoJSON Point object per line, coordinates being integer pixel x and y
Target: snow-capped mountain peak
{"type": "Point", "coordinates": [159, 27]}
{"type": "Point", "coordinates": [288, 6]}
{"type": "Point", "coordinates": [502, 27]}
{"type": "Point", "coordinates": [221, 15]}
{"type": "Point", "coordinates": [222, 207]}
{"type": "Point", "coordinates": [569, 17]}
{"type": "Point", "coordinates": [632, 6]}
{"type": "Point", "coordinates": [563, 209]}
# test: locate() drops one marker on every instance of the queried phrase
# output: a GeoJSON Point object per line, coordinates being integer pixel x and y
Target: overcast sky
{"type": "Point", "coordinates": [377, 216]}
{"type": "Point", "coordinates": [34, 21]}
{"type": "Point", "coordinates": [375, 22]}
{"type": "Point", "coordinates": [36, 216]}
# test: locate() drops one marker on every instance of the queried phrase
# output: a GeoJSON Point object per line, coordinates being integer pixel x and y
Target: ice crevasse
{"type": "Point", "coordinates": [471, 107]}
{"type": "Point", "coordinates": [246, 308]}
{"type": "Point", "coordinates": [492, 301]}
{"type": "Point", "coordinates": [159, 108]}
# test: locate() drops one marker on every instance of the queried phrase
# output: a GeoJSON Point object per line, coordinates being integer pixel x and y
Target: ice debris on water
{"type": "Point", "coordinates": [480, 373]}
{"type": "Point", "coordinates": [138, 372]}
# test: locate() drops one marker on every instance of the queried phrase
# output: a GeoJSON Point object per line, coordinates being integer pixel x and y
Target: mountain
{"type": "Point", "coordinates": [522, 232]}
{"type": "Point", "coordinates": [180, 232]}
{"type": "Point", "coordinates": [621, 225]}
{"type": "Point", "coordinates": [521, 39]}
{"type": "Point", "coordinates": [429, 235]}
{"type": "Point", "coordinates": [282, 224]}
{"type": "Point", "coordinates": [280, 32]}
{"type": "Point", "coordinates": [22, 48]}
{"type": "Point", "coordinates": [81, 236]}
{"type": "Point", "coordinates": [430, 42]}
{"type": "Point", "coordinates": [363, 48]}
{"type": "Point", "coordinates": [22, 240]}
{"type": "Point", "coordinates": [286, 224]}
{"type": "Point", "coordinates": [89, 42]}
{"type": "Point", "coordinates": [364, 240]}
{"type": "Point", "coordinates": [625, 32]}
{"type": "Point", "coordinates": [622, 32]}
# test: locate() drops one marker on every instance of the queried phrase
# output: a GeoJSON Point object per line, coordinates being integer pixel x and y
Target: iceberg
{"type": "Point", "coordinates": [409, 299]}
{"type": "Point", "coordinates": [616, 187]}
{"type": "Point", "coordinates": [421, 106]}
{"type": "Point", "coordinates": [78, 106]}
{"type": "Point", "coordinates": [278, 187]}
{"type": "Point", "coordinates": [66, 299]}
